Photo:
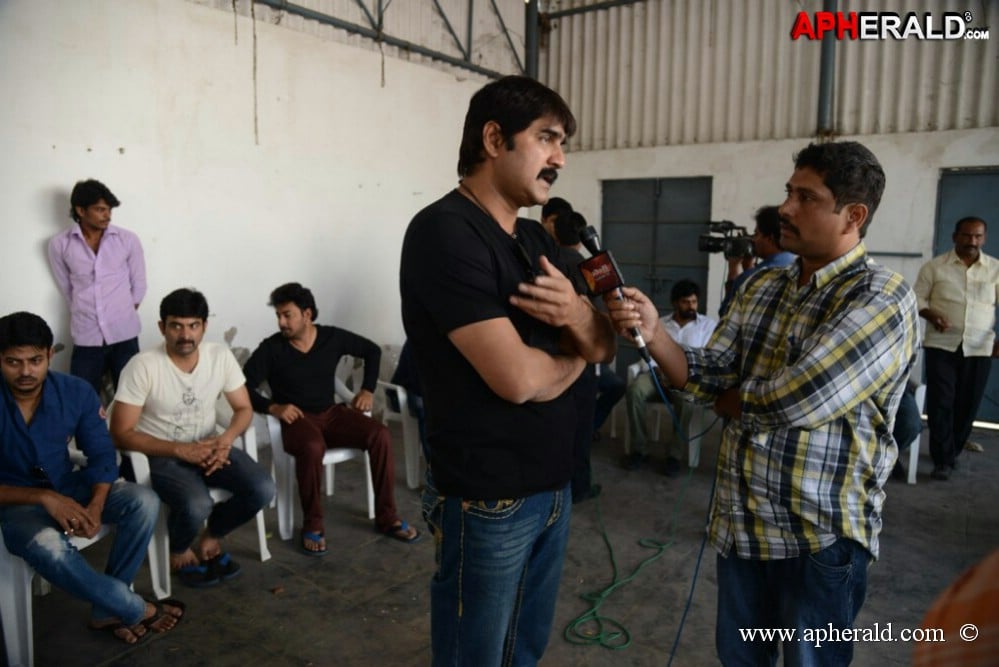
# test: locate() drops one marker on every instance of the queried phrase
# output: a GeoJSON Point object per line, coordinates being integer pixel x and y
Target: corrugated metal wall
{"type": "Point", "coordinates": [664, 72]}
{"type": "Point", "coordinates": [416, 21]}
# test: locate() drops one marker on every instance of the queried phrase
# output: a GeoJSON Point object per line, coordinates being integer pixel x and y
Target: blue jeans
{"type": "Point", "coordinates": [810, 592]}
{"type": "Point", "coordinates": [91, 362]}
{"type": "Point", "coordinates": [184, 489]}
{"type": "Point", "coordinates": [32, 534]}
{"type": "Point", "coordinates": [492, 598]}
{"type": "Point", "coordinates": [908, 423]}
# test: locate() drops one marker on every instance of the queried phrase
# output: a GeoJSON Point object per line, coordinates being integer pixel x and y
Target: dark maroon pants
{"type": "Point", "coordinates": [308, 438]}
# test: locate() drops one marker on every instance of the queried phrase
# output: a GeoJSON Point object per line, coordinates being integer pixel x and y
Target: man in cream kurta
{"type": "Point", "coordinates": [957, 294]}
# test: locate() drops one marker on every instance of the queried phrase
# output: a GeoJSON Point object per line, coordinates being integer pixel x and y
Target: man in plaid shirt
{"type": "Point", "coordinates": [808, 366]}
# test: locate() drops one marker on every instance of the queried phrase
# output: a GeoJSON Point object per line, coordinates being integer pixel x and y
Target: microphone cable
{"type": "Point", "coordinates": [593, 628]}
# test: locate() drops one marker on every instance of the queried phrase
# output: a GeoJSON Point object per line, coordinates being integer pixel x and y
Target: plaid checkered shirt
{"type": "Point", "coordinates": [820, 371]}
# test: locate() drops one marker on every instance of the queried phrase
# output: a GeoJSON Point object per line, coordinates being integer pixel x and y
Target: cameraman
{"type": "Point", "coordinates": [766, 246]}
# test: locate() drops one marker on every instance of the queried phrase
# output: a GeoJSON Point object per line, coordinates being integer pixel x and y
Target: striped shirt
{"type": "Point", "coordinates": [820, 371]}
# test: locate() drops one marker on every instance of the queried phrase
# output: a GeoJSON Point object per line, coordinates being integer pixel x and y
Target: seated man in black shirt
{"type": "Point", "coordinates": [299, 363]}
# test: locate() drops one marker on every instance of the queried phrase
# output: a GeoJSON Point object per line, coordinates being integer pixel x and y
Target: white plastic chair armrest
{"type": "Point", "coordinates": [400, 392]}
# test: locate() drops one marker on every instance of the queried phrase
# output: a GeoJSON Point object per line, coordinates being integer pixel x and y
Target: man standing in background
{"type": "Point", "coordinates": [101, 272]}
{"type": "Point", "coordinates": [766, 247]}
{"type": "Point", "coordinates": [957, 294]}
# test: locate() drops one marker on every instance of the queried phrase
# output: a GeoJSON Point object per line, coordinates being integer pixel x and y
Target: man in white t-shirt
{"type": "Point", "coordinates": [687, 327]}
{"type": "Point", "coordinates": [165, 408]}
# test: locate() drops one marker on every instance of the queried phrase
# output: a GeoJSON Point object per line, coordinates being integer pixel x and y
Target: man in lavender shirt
{"type": "Point", "coordinates": [100, 270]}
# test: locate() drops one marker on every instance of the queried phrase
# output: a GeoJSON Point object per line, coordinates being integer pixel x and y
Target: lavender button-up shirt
{"type": "Point", "coordinates": [102, 289]}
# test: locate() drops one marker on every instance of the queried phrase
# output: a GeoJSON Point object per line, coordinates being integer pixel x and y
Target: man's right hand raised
{"type": "Point", "coordinates": [635, 311]}
{"type": "Point", "coordinates": [286, 412]}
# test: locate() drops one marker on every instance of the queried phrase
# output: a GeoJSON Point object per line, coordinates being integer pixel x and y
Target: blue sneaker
{"type": "Point", "coordinates": [223, 567]}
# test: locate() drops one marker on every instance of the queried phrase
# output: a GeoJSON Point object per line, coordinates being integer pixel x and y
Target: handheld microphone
{"type": "Point", "coordinates": [602, 275]}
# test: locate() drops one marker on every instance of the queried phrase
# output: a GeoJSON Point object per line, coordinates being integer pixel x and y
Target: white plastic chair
{"type": "Point", "coordinates": [697, 426]}
{"type": "Point", "coordinates": [284, 464]}
{"type": "Point", "coordinates": [15, 601]}
{"type": "Point", "coordinates": [159, 545]}
{"type": "Point", "coordinates": [410, 429]}
{"type": "Point", "coordinates": [914, 447]}
{"type": "Point", "coordinates": [15, 594]}
{"type": "Point", "coordinates": [287, 482]}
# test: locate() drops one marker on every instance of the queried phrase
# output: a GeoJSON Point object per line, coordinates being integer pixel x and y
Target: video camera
{"type": "Point", "coordinates": [733, 241]}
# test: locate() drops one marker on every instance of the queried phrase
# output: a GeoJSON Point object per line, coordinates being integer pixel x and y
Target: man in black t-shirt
{"type": "Point", "coordinates": [499, 335]}
{"type": "Point", "coordinates": [299, 363]}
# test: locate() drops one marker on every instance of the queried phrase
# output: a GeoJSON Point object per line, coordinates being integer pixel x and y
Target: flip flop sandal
{"type": "Point", "coordinates": [170, 602]}
{"type": "Point", "coordinates": [224, 567]}
{"type": "Point", "coordinates": [161, 613]}
{"type": "Point", "coordinates": [396, 533]}
{"type": "Point", "coordinates": [313, 537]}
{"type": "Point", "coordinates": [197, 576]}
{"type": "Point", "coordinates": [114, 627]}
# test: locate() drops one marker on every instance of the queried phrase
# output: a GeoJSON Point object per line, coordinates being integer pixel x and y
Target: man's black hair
{"type": "Point", "coordinates": [684, 288]}
{"type": "Point", "coordinates": [568, 225]}
{"type": "Point", "coordinates": [297, 294]}
{"type": "Point", "coordinates": [87, 193]}
{"type": "Point", "coordinates": [768, 222]}
{"type": "Point", "coordinates": [513, 102]}
{"type": "Point", "coordinates": [184, 302]}
{"type": "Point", "coordinates": [554, 206]}
{"type": "Point", "coordinates": [24, 329]}
{"type": "Point", "coordinates": [850, 171]}
{"type": "Point", "coordinates": [970, 218]}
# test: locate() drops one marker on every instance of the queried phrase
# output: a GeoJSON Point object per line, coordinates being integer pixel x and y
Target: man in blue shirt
{"type": "Point", "coordinates": [44, 502]}
{"type": "Point", "coordinates": [766, 246]}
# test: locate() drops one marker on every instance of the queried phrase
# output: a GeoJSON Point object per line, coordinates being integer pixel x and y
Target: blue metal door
{"type": "Point", "coordinates": [651, 225]}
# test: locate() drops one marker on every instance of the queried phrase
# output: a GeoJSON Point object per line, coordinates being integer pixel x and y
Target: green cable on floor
{"type": "Point", "coordinates": [591, 628]}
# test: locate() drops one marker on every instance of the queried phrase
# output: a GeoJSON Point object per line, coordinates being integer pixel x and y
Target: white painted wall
{"type": "Point", "coordinates": [749, 175]}
{"type": "Point", "coordinates": [155, 99]}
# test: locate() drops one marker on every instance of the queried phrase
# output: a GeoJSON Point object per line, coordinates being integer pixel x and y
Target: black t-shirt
{"type": "Point", "coordinates": [459, 267]}
{"type": "Point", "coordinates": [307, 379]}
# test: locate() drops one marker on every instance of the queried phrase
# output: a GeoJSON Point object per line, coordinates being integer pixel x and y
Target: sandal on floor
{"type": "Point", "coordinates": [399, 533]}
{"type": "Point", "coordinates": [161, 613]}
{"type": "Point", "coordinates": [197, 576]}
{"type": "Point", "coordinates": [113, 628]}
{"type": "Point", "coordinates": [223, 567]}
{"type": "Point", "coordinates": [170, 602]}
{"type": "Point", "coordinates": [317, 538]}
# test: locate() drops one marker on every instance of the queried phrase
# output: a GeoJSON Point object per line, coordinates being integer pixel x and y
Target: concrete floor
{"type": "Point", "coordinates": [366, 602]}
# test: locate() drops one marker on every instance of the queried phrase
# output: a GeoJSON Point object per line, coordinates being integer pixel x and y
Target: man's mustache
{"type": "Point", "coordinates": [549, 174]}
{"type": "Point", "coordinates": [784, 225]}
